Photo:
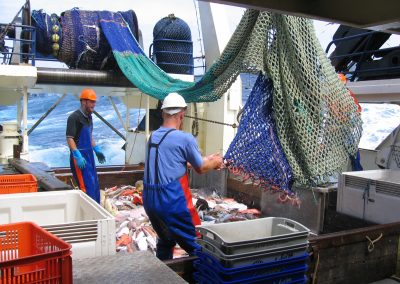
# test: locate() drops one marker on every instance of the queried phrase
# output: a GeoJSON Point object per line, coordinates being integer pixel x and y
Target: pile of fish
{"type": "Point", "coordinates": [216, 209]}
{"type": "Point", "coordinates": [133, 229]}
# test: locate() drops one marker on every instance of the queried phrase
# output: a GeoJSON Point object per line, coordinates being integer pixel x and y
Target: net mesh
{"type": "Point", "coordinates": [316, 119]}
{"type": "Point", "coordinates": [257, 140]}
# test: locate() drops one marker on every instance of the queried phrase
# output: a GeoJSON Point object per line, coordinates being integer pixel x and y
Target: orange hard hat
{"type": "Point", "coordinates": [342, 77]}
{"type": "Point", "coordinates": [88, 94]}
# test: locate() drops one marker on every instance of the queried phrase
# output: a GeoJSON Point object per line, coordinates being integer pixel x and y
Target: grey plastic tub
{"type": "Point", "coordinates": [254, 235]}
{"type": "Point", "coordinates": [251, 258]}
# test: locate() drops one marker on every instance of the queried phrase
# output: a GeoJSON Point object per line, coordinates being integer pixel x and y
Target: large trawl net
{"type": "Point", "coordinates": [316, 119]}
{"type": "Point", "coordinates": [257, 140]}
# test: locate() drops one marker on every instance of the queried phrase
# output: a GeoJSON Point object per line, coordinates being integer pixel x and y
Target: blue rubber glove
{"type": "Point", "coordinates": [99, 154]}
{"type": "Point", "coordinates": [79, 159]}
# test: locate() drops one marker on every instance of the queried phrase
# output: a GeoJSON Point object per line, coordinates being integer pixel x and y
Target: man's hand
{"type": "Point", "coordinates": [80, 161]}
{"type": "Point", "coordinates": [217, 161]}
{"type": "Point", "coordinates": [99, 154]}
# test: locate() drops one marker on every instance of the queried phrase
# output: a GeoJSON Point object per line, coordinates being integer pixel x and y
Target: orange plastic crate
{"type": "Point", "coordinates": [30, 254]}
{"type": "Point", "coordinates": [18, 183]}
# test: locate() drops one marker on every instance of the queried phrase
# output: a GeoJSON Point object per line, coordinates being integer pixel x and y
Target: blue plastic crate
{"type": "Point", "coordinates": [249, 271]}
{"type": "Point", "coordinates": [200, 279]}
{"type": "Point", "coordinates": [252, 258]}
{"type": "Point", "coordinates": [295, 276]}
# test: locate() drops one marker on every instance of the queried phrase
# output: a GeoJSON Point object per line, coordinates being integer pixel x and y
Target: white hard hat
{"type": "Point", "coordinates": [173, 103]}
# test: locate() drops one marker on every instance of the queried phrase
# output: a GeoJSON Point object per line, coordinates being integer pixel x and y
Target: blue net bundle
{"type": "Point", "coordinates": [48, 31]}
{"type": "Point", "coordinates": [256, 153]}
{"type": "Point", "coordinates": [173, 46]}
{"type": "Point", "coordinates": [76, 38]}
{"type": "Point", "coordinates": [84, 45]}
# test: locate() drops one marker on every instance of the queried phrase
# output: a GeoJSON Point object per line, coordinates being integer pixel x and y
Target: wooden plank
{"type": "Point", "coordinates": [104, 168]}
{"type": "Point", "coordinates": [109, 178]}
{"type": "Point", "coordinates": [45, 180]}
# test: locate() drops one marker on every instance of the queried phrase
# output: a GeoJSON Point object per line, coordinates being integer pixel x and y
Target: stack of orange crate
{"type": "Point", "coordinates": [21, 183]}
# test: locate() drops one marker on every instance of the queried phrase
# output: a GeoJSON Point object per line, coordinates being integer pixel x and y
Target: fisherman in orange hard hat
{"type": "Point", "coordinates": [81, 144]}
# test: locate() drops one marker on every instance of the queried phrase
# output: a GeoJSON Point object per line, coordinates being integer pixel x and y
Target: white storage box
{"type": "Point", "coordinates": [69, 214]}
{"type": "Point", "coordinates": [370, 195]}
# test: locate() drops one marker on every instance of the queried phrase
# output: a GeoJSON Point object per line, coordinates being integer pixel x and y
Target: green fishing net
{"type": "Point", "coordinates": [317, 121]}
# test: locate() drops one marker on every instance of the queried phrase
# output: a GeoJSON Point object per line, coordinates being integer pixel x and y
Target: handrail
{"type": "Point", "coordinates": [365, 52]}
{"type": "Point", "coordinates": [357, 57]}
{"type": "Point", "coordinates": [29, 42]}
{"type": "Point", "coordinates": [348, 38]}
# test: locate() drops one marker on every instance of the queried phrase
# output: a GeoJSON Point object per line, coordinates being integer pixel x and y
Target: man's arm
{"type": "Point", "coordinates": [71, 143]}
{"type": "Point", "coordinates": [211, 162]}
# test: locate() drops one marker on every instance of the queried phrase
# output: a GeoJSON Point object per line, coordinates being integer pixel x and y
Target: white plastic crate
{"type": "Point", "coordinates": [69, 214]}
{"type": "Point", "coordinates": [254, 235]}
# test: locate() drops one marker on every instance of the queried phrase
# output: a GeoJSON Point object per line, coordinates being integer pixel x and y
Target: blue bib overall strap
{"type": "Point", "coordinates": [170, 210]}
{"type": "Point", "coordinates": [87, 177]}
{"type": "Point", "coordinates": [155, 145]}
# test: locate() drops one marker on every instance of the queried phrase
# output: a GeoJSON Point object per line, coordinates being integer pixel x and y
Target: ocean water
{"type": "Point", "coordinates": [47, 142]}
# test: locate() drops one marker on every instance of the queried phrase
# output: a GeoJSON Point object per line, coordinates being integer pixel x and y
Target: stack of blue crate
{"type": "Point", "coordinates": [266, 250]}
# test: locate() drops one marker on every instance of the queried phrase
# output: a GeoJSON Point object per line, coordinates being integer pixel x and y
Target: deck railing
{"type": "Point", "coordinates": [17, 44]}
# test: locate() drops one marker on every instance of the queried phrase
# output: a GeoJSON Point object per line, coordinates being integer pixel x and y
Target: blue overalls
{"type": "Point", "coordinates": [170, 210]}
{"type": "Point", "coordinates": [87, 177]}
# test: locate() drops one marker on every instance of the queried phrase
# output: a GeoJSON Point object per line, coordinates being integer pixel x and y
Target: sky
{"type": "Point", "coordinates": [149, 13]}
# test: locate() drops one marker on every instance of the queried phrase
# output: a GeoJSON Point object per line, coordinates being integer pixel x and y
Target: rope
{"type": "Point", "coordinates": [314, 277]}
{"type": "Point", "coordinates": [233, 125]}
{"type": "Point", "coordinates": [195, 124]}
{"type": "Point", "coordinates": [199, 39]}
{"type": "Point", "coordinates": [371, 244]}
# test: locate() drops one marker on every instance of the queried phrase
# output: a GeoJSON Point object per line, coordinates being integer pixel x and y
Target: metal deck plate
{"type": "Point", "coordinates": [138, 267]}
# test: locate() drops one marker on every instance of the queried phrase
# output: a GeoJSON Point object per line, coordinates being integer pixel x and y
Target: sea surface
{"type": "Point", "coordinates": [47, 142]}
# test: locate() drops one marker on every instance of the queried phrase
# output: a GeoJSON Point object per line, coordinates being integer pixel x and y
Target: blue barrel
{"type": "Point", "coordinates": [173, 46]}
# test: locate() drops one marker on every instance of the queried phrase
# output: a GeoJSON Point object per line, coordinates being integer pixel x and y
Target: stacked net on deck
{"type": "Point", "coordinates": [173, 46]}
{"type": "Point", "coordinates": [257, 140]}
{"type": "Point", "coordinates": [48, 31]}
{"type": "Point", "coordinates": [76, 38]}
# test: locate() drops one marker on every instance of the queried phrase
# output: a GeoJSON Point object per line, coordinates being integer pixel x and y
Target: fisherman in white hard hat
{"type": "Point", "coordinates": [166, 196]}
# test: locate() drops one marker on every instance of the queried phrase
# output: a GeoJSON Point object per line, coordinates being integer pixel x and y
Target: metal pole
{"type": "Point", "coordinates": [25, 121]}
{"type": "Point", "coordinates": [147, 127]}
{"type": "Point", "coordinates": [46, 114]}
{"type": "Point", "coordinates": [109, 125]}
{"type": "Point", "coordinates": [127, 115]}
{"type": "Point", "coordinates": [19, 112]}
{"type": "Point", "coordinates": [117, 112]}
